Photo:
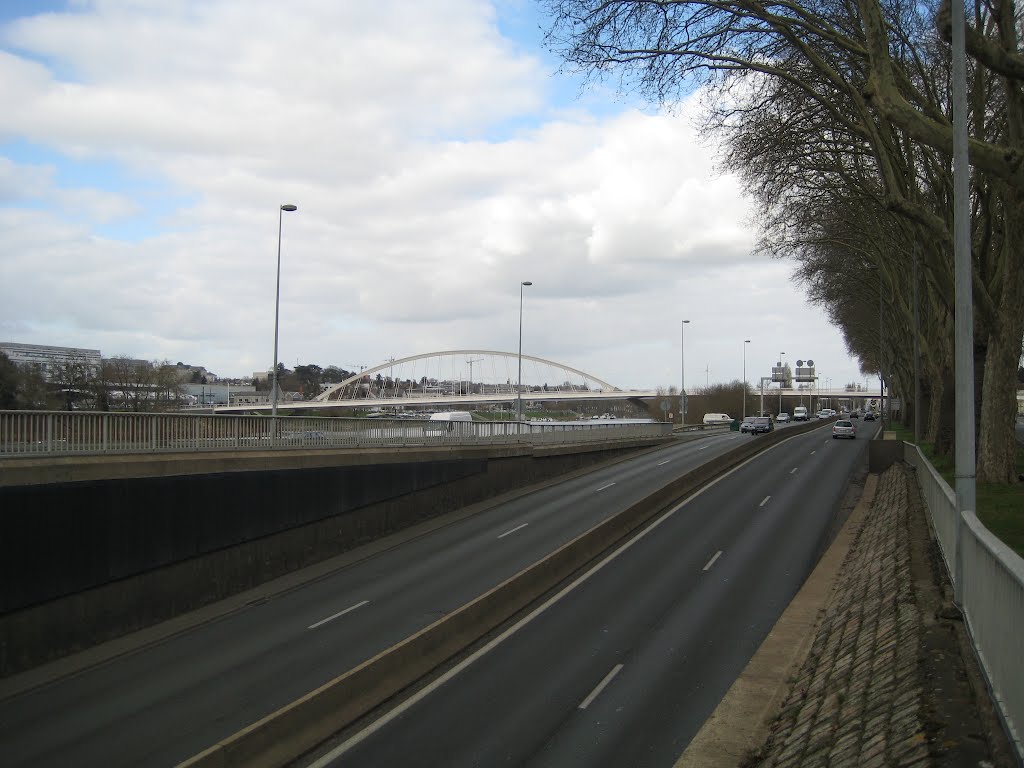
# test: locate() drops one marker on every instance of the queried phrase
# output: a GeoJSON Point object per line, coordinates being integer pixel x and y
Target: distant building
{"type": "Point", "coordinates": [194, 374]}
{"type": "Point", "coordinates": [225, 394]}
{"type": "Point", "coordinates": [48, 360]}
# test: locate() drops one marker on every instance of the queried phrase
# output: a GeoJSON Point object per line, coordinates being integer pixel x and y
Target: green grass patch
{"type": "Point", "coordinates": [1000, 507]}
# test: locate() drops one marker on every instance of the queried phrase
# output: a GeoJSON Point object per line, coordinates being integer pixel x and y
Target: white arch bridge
{"type": "Point", "coordinates": [461, 377]}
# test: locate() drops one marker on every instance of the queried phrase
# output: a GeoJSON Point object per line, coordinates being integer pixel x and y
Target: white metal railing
{"type": "Point", "coordinates": [75, 433]}
{"type": "Point", "coordinates": [988, 578]}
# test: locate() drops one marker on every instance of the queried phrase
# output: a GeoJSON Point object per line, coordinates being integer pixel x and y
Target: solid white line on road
{"type": "Point", "coordinates": [764, 501]}
{"type": "Point", "coordinates": [518, 527]}
{"type": "Point", "coordinates": [605, 486]}
{"type": "Point", "coordinates": [339, 613]}
{"type": "Point", "coordinates": [793, 470]}
{"type": "Point", "coordinates": [711, 562]}
{"type": "Point", "coordinates": [666, 461]}
{"type": "Point", "coordinates": [600, 687]}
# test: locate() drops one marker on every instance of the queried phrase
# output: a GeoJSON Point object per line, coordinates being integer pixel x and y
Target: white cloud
{"type": "Point", "coordinates": [415, 224]}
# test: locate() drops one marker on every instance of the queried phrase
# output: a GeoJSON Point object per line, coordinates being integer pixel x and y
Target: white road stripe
{"type": "Point", "coordinates": [600, 687]}
{"type": "Point", "coordinates": [793, 470]}
{"type": "Point", "coordinates": [814, 451]}
{"type": "Point", "coordinates": [705, 447]}
{"type": "Point", "coordinates": [605, 486]}
{"type": "Point", "coordinates": [765, 501]}
{"type": "Point", "coordinates": [518, 527]}
{"type": "Point", "coordinates": [339, 613]}
{"type": "Point", "coordinates": [711, 562]}
{"type": "Point", "coordinates": [662, 463]}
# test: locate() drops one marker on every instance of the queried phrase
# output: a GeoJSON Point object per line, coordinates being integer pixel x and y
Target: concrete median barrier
{"type": "Point", "coordinates": [284, 735]}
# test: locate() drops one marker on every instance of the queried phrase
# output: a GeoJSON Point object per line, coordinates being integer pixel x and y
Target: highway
{"type": "Point", "coordinates": [164, 702]}
{"type": "Point", "coordinates": [625, 667]}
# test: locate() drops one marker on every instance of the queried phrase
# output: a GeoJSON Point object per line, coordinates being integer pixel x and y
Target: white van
{"type": "Point", "coordinates": [799, 413]}
{"type": "Point", "coordinates": [443, 422]}
{"type": "Point", "coordinates": [452, 416]}
{"type": "Point", "coordinates": [717, 418]}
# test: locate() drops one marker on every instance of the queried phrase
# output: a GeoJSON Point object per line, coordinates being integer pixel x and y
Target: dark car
{"type": "Point", "coordinates": [869, 416]}
{"type": "Point", "coordinates": [759, 424]}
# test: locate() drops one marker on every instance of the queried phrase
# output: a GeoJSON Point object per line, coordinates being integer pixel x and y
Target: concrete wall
{"type": "Point", "coordinates": [87, 560]}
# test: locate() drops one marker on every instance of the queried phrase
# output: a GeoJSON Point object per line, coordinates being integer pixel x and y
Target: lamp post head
{"type": "Point", "coordinates": [289, 207]}
{"type": "Point", "coordinates": [526, 282]}
{"type": "Point", "coordinates": [746, 341]}
{"type": "Point", "coordinates": [686, 321]}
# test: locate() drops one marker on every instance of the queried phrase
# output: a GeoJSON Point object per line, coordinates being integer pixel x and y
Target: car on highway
{"type": "Point", "coordinates": [747, 425]}
{"type": "Point", "coordinates": [854, 415]}
{"type": "Point", "coordinates": [717, 418]}
{"type": "Point", "coordinates": [869, 415]}
{"type": "Point", "coordinates": [761, 424]}
{"type": "Point", "coordinates": [799, 413]}
{"type": "Point", "coordinates": [844, 428]}
{"type": "Point", "coordinates": [782, 418]}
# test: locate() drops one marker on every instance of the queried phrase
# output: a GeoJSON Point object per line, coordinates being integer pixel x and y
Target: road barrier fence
{"type": "Point", "coordinates": [71, 433]}
{"type": "Point", "coordinates": [988, 581]}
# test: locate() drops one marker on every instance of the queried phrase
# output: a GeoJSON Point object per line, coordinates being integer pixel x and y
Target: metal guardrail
{"type": "Point", "coordinates": [71, 433]}
{"type": "Point", "coordinates": [988, 576]}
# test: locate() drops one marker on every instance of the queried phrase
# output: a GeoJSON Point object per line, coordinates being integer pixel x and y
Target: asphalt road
{"type": "Point", "coordinates": [162, 703]}
{"type": "Point", "coordinates": [625, 668]}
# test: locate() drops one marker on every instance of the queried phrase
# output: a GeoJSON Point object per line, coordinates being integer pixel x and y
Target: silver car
{"type": "Point", "coordinates": [844, 428]}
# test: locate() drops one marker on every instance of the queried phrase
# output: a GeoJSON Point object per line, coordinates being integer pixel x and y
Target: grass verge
{"type": "Point", "coordinates": [1000, 507]}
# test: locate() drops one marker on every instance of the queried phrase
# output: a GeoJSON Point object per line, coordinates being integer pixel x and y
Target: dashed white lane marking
{"type": "Point", "coordinates": [711, 562]}
{"type": "Point", "coordinates": [600, 687]}
{"type": "Point", "coordinates": [764, 501]}
{"type": "Point", "coordinates": [517, 528]}
{"type": "Point", "coordinates": [605, 486]}
{"type": "Point", "coordinates": [705, 447]}
{"type": "Point", "coordinates": [793, 470]}
{"type": "Point", "coordinates": [339, 613]}
{"type": "Point", "coordinates": [662, 463]}
{"type": "Point", "coordinates": [814, 451]}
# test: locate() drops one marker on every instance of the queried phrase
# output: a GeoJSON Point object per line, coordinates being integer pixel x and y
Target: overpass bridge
{"type": "Point", "coordinates": [458, 377]}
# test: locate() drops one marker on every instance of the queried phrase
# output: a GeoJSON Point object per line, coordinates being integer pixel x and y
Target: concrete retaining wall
{"type": "Point", "coordinates": [87, 561]}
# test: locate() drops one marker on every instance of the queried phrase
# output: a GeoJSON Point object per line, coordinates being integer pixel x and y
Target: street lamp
{"type": "Point", "coordinates": [782, 383]}
{"type": "Point", "coordinates": [745, 342]}
{"type": "Point", "coordinates": [682, 371]}
{"type": "Point", "coordinates": [519, 384]}
{"type": "Point", "coordinates": [277, 310]}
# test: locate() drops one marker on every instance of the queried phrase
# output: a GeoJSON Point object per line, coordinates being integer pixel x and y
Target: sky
{"type": "Point", "coordinates": [437, 157]}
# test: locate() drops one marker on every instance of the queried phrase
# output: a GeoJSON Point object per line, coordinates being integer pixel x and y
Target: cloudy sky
{"type": "Point", "coordinates": [437, 159]}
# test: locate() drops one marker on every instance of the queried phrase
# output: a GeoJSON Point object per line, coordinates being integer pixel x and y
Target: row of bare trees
{"type": "Point", "coordinates": [120, 383]}
{"type": "Point", "coordinates": [837, 117]}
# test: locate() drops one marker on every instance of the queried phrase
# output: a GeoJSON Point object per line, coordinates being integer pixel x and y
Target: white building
{"type": "Point", "coordinates": [48, 360]}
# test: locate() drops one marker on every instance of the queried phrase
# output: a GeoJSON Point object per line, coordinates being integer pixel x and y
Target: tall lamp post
{"type": "Point", "coordinates": [782, 383]}
{"type": "Point", "coordinates": [745, 342]}
{"type": "Point", "coordinates": [277, 310]}
{"type": "Point", "coordinates": [682, 378]}
{"type": "Point", "coordinates": [519, 383]}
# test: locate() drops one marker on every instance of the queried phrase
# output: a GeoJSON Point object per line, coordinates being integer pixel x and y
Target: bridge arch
{"type": "Point", "coordinates": [428, 370]}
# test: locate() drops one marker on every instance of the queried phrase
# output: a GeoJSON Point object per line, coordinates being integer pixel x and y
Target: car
{"type": "Point", "coordinates": [747, 425]}
{"type": "Point", "coordinates": [761, 424]}
{"type": "Point", "coordinates": [854, 415]}
{"type": "Point", "coordinates": [800, 413]}
{"type": "Point", "coordinates": [782, 418]}
{"type": "Point", "coordinates": [822, 414]}
{"type": "Point", "coordinates": [844, 428]}
{"type": "Point", "coordinates": [869, 415]}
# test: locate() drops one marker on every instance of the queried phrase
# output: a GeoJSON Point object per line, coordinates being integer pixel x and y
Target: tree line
{"type": "Point", "coordinates": [837, 119]}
